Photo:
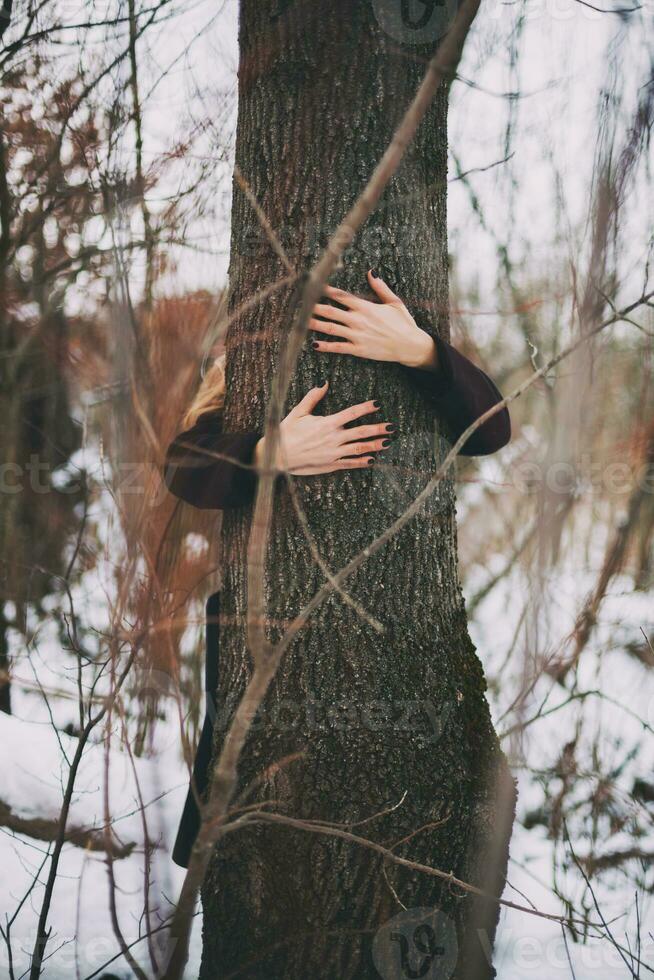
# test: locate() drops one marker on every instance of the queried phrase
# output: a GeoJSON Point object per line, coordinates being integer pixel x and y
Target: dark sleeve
{"type": "Point", "coordinates": [462, 392]}
{"type": "Point", "coordinates": [210, 468]}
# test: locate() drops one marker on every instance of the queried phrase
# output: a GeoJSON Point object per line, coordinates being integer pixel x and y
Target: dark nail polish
{"type": "Point", "coordinates": [385, 443]}
{"type": "Point", "coordinates": [376, 405]}
{"type": "Point", "coordinates": [374, 274]}
{"type": "Point", "coordinates": [314, 344]}
{"type": "Point", "coordinates": [390, 428]}
{"type": "Point", "coordinates": [370, 462]}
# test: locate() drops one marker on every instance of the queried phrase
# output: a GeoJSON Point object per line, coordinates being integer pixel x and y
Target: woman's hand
{"type": "Point", "coordinates": [383, 331]}
{"type": "Point", "coordinates": [310, 444]}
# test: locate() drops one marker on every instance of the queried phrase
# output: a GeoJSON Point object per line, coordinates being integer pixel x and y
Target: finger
{"type": "Point", "coordinates": [334, 329]}
{"type": "Point", "coordinates": [368, 446]}
{"type": "Point", "coordinates": [354, 412]}
{"type": "Point", "coordinates": [310, 400]}
{"type": "Point", "coordinates": [366, 431]}
{"type": "Point", "coordinates": [328, 347]}
{"type": "Point", "coordinates": [384, 292]}
{"type": "Point", "coordinates": [343, 297]}
{"type": "Point", "coordinates": [333, 313]}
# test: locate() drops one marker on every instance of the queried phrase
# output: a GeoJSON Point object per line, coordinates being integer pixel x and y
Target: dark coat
{"type": "Point", "coordinates": [190, 820]}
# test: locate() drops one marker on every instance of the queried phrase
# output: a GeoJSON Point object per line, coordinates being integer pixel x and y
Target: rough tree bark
{"type": "Point", "coordinates": [398, 720]}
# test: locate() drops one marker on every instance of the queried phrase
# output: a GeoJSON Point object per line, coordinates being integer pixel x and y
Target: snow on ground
{"type": "Point", "coordinates": [528, 946]}
{"type": "Point", "coordinates": [33, 763]}
{"type": "Point", "coordinates": [34, 769]}
{"type": "Point", "coordinates": [533, 947]}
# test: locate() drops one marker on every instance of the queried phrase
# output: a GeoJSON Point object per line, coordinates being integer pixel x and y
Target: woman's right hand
{"type": "Point", "coordinates": [310, 444]}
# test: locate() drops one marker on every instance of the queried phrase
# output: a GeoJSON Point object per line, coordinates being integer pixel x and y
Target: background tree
{"type": "Point", "coordinates": [45, 210]}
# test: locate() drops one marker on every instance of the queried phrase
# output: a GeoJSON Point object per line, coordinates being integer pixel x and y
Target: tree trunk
{"type": "Point", "coordinates": [397, 720]}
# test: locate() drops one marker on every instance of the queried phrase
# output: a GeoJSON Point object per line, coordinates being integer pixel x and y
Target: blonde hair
{"type": "Point", "coordinates": [210, 396]}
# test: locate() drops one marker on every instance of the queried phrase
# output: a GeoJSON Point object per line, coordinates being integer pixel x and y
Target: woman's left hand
{"type": "Point", "coordinates": [383, 331]}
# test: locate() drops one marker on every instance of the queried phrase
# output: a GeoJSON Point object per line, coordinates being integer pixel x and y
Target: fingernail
{"type": "Point", "coordinates": [374, 274]}
{"type": "Point", "coordinates": [315, 344]}
{"type": "Point", "coordinates": [390, 427]}
{"type": "Point", "coordinates": [370, 462]}
{"type": "Point", "coordinates": [376, 405]}
{"type": "Point", "coordinates": [385, 443]}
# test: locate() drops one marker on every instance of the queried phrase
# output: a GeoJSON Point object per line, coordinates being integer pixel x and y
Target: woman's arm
{"type": "Point", "coordinates": [386, 331]}
{"type": "Point", "coordinates": [462, 392]}
{"type": "Point", "coordinates": [209, 468]}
